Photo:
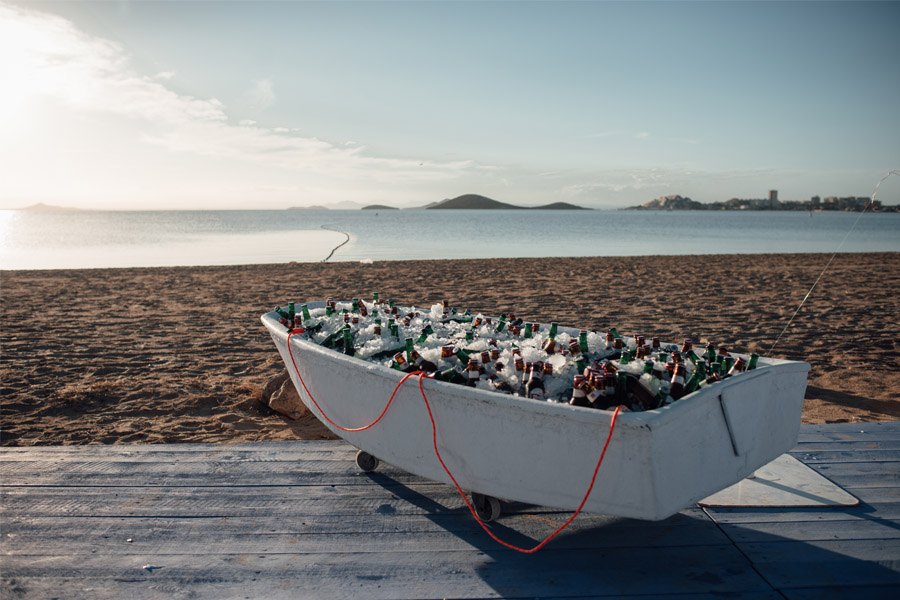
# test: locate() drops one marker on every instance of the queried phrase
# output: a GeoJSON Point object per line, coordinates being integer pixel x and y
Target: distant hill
{"type": "Point", "coordinates": [674, 202]}
{"type": "Point", "coordinates": [311, 207]}
{"type": "Point", "coordinates": [478, 202]}
{"type": "Point", "coordinates": [379, 207]}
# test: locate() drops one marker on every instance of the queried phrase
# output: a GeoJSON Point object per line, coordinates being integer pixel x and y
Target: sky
{"type": "Point", "coordinates": [214, 105]}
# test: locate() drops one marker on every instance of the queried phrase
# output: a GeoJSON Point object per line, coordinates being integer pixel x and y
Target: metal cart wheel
{"type": "Point", "coordinates": [486, 507]}
{"type": "Point", "coordinates": [366, 462]}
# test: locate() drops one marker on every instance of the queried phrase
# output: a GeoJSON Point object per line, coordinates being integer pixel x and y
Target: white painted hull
{"type": "Point", "coordinates": [543, 453]}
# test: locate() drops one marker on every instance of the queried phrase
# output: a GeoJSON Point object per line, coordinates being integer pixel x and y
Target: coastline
{"type": "Point", "coordinates": [177, 354]}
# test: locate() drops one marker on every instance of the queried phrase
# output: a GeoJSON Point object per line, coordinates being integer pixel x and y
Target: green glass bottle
{"type": "Point", "coordinates": [409, 349]}
{"type": "Point", "coordinates": [355, 306]}
{"type": "Point", "coordinates": [553, 330]}
{"type": "Point", "coordinates": [580, 364]}
{"type": "Point", "coordinates": [281, 312]}
{"type": "Point", "coordinates": [304, 310]}
{"type": "Point", "coordinates": [501, 323]}
{"type": "Point", "coordinates": [582, 341]}
{"type": "Point", "coordinates": [527, 332]}
{"type": "Point", "coordinates": [426, 331]}
{"type": "Point", "coordinates": [348, 342]}
{"type": "Point", "coordinates": [615, 333]}
{"type": "Point", "coordinates": [374, 297]}
{"type": "Point", "coordinates": [470, 335]}
{"type": "Point", "coordinates": [729, 362]}
{"type": "Point", "coordinates": [697, 377]}
{"type": "Point", "coordinates": [462, 355]}
{"type": "Point", "coordinates": [754, 359]}
{"type": "Point", "coordinates": [291, 312]}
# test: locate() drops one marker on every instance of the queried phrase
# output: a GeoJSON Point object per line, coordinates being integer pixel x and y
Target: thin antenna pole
{"type": "Point", "coordinates": [830, 260]}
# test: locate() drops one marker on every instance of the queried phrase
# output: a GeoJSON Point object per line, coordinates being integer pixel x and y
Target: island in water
{"type": "Point", "coordinates": [379, 207]}
{"type": "Point", "coordinates": [478, 202]}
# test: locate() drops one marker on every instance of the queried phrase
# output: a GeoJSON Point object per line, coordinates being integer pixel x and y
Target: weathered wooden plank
{"type": "Point", "coordinates": [856, 529]}
{"type": "Point", "coordinates": [495, 572]}
{"type": "Point", "coordinates": [382, 532]}
{"type": "Point", "coordinates": [843, 592]}
{"type": "Point", "coordinates": [202, 473]}
{"type": "Point", "coordinates": [380, 521]}
{"type": "Point", "coordinates": [832, 456]}
{"type": "Point", "coordinates": [274, 588]}
{"type": "Point", "coordinates": [861, 475]}
{"type": "Point", "coordinates": [238, 501]}
{"type": "Point", "coordinates": [852, 428]}
{"type": "Point", "coordinates": [270, 452]}
{"type": "Point", "coordinates": [882, 510]}
{"type": "Point", "coordinates": [848, 445]}
{"type": "Point", "coordinates": [825, 563]}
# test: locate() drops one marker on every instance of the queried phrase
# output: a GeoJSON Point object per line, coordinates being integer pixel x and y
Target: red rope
{"type": "Point", "coordinates": [325, 416]}
{"type": "Point", "coordinates": [437, 453]}
{"type": "Point", "coordinates": [546, 540]}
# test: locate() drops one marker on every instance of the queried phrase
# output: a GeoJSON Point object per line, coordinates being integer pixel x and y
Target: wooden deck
{"type": "Point", "coordinates": [297, 520]}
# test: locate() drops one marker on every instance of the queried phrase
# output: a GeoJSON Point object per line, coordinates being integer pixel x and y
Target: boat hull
{"type": "Point", "coordinates": [658, 462]}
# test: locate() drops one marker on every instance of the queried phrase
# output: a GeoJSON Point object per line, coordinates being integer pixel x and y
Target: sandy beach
{"type": "Point", "coordinates": [178, 354]}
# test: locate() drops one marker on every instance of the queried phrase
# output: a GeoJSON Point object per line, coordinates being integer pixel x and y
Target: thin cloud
{"type": "Point", "coordinates": [51, 58]}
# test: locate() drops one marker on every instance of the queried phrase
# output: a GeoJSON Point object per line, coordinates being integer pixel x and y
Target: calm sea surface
{"type": "Point", "coordinates": [85, 239]}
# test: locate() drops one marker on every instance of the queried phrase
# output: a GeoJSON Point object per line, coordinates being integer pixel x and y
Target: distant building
{"type": "Point", "coordinates": [773, 196]}
{"type": "Point", "coordinates": [815, 201]}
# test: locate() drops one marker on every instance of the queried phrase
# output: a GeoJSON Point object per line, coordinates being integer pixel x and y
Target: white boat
{"type": "Point", "coordinates": [503, 446]}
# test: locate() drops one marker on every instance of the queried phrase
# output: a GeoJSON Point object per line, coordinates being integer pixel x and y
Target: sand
{"type": "Point", "coordinates": [179, 355]}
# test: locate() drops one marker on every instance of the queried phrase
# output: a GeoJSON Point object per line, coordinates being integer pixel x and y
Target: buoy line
{"type": "Point", "coordinates": [347, 235]}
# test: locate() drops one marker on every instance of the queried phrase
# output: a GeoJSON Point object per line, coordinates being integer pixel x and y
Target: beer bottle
{"type": "Point", "coordinates": [553, 329]}
{"type": "Point", "coordinates": [374, 297]}
{"type": "Point", "coordinates": [377, 329]}
{"type": "Point", "coordinates": [711, 353]}
{"type": "Point", "coordinates": [697, 377]}
{"type": "Point", "coordinates": [423, 364]}
{"type": "Point", "coordinates": [583, 342]}
{"type": "Point", "coordinates": [291, 312]}
{"type": "Point", "coordinates": [549, 345]}
{"type": "Point", "coordinates": [451, 375]}
{"type": "Point", "coordinates": [528, 331]}
{"type": "Point", "coordinates": [409, 349]}
{"type": "Point", "coordinates": [363, 311]}
{"type": "Point", "coordinates": [640, 395]}
{"type": "Point", "coordinates": [501, 323]}
{"type": "Point", "coordinates": [354, 305]}
{"type": "Point", "coordinates": [729, 365]}
{"type": "Point", "coordinates": [472, 372]}
{"type": "Point", "coordinates": [650, 380]}
{"type": "Point", "coordinates": [329, 307]}
{"type": "Point", "coordinates": [654, 343]}
{"type": "Point", "coordinates": [462, 355]}
{"type": "Point", "coordinates": [348, 342]}
{"type": "Point", "coordinates": [579, 396]}
{"type": "Point", "coordinates": [426, 331]}
{"type": "Point", "coordinates": [304, 310]}
{"type": "Point", "coordinates": [676, 388]}
{"type": "Point", "coordinates": [739, 366]}
{"type": "Point", "coordinates": [399, 362]}
{"type": "Point", "coordinates": [754, 359]}
{"type": "Point", "coordinates": [535, 386]}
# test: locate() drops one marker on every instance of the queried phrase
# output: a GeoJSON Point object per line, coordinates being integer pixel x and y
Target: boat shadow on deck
{"type": "Point", "coordinates": [737, 552]}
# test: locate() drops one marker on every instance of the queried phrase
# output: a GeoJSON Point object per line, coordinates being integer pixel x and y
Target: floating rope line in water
{"type": "Point", "coordinates": [347, 235]}
{"type": "Point", "coordinates": [830, 260]}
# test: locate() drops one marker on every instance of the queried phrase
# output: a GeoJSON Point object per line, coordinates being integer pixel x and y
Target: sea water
{"type": "Point", "coordinates": [92, 239]}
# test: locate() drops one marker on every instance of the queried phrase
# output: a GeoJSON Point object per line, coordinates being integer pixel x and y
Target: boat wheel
{"type": "Point", "coordinates": [366, 462]}
{"type": "Point", "coordinates": [486, 507]}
